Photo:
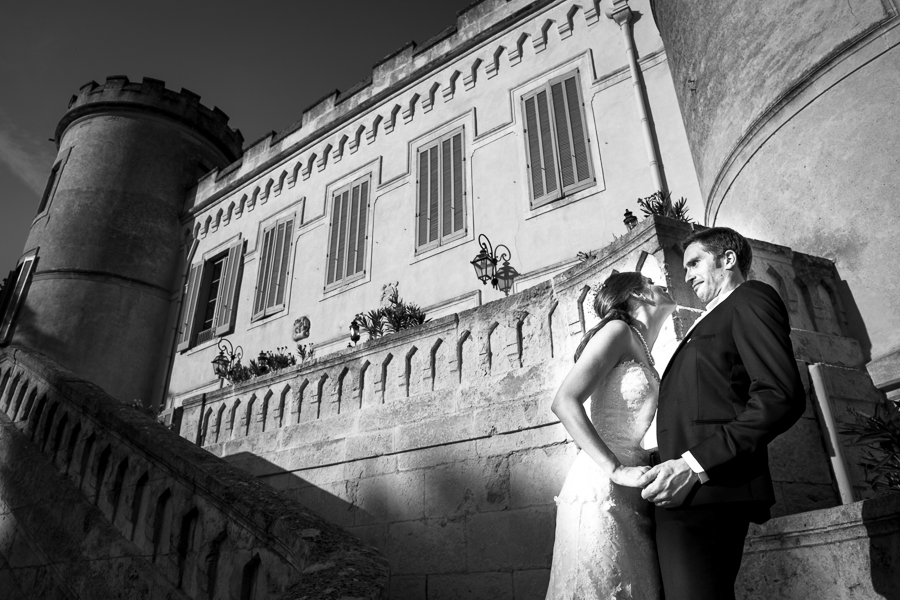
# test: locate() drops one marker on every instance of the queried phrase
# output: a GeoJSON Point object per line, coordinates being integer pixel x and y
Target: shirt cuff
{"type": "Point", "coordinates": [695, 466]}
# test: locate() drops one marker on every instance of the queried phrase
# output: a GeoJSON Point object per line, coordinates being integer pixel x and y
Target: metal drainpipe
{"type": "Point", "coordinates": [622, 15]}
{"type": "Point", "coordinates": [836, 453]}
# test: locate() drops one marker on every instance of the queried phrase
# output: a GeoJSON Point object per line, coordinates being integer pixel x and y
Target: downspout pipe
{"type": "Point", "coordinates": [621, 13]}
{"type": "Point", "coordinates": [830, 432]}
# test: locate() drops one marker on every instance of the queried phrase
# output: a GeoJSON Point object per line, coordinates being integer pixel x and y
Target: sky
{"type": "Point", "coordinates": [261, 65]}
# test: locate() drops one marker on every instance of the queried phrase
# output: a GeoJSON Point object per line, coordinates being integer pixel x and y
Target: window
{"type": "Point", "coordinates": [210, 298]}
{"type": "Point", "coordinates": [441, 192]}
{"type": "Point", "coordinates": [347, 239]}
{"type": "Point", "coordinates": [14, 294]}
{"type": "Point", "coordinates": [53, 180]}
{"type": "Point", "coordinates": [557, 143]}
{"type": "Point", "coordinates": [274, 266]}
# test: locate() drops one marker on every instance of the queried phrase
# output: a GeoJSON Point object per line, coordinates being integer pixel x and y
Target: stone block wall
{"type": "Point", "coordinates": [437, 445]}
{"type": "Point", "coordinates": [97, 500]}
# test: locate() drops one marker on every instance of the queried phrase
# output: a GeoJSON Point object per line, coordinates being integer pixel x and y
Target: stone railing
{"type": "Point", "coordinates": [204, 528]}
{"type": "Point", "coordinates": [437, 444]}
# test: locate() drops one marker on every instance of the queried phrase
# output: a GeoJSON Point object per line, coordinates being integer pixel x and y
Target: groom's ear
{"type": "Point", "coordinates": [730, 260]}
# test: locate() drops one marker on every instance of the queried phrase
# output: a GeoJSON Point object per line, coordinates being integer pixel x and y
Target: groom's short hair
{"type": "Point", "coordinates": [716, 240]}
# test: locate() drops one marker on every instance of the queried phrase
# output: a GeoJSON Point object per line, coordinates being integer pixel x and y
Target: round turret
{"type": "Point", "coordinates": [107, 236]}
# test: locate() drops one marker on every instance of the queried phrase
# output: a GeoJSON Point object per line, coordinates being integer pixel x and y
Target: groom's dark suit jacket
{"type": "Point", "coordinates": [730, 388]}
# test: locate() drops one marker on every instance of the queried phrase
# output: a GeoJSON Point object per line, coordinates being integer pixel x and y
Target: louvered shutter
{"type": "Point", "coordinates": [282, 274]}
{"type": "Point", "coordinates": [275, 266]}
{"type": "Point", "coordinates": [226, 304]}
{"type": "Point", "coordinates": [189, 308]}
{"type": "Point", "coordinates": [428, 225]}
{"type": "Point", "coordinates": [353, 231]}
{"type": "Point", "coordinates": [348, 232]}
{"type": "Point", "coordinates": [446, 188]}
{"type": "Point", "coordinates": [458, 203]}
{"type": "Point", "coordinates": [540, 148]}
{"type": "Point", "coordinates": [332, 244]}
{"type": "Point", "coordinates": [341, 226]}
{"type": "Point", "coordinates": [262, 276]}
{"type": "Point", "coordinates": [433, 195]}
{"type": "Point", "coordinates": [571, 133]}
{"type": "Point", "coordinates": [422, 214]}
{"type": "Point", "coordinates": [361, 233]}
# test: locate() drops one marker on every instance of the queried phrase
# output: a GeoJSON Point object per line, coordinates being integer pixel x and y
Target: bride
{"type": "Point", "coordinates": [604, 543]}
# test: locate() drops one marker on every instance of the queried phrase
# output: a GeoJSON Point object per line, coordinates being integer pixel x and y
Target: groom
{"type": "Point", "coordinates": [730, 388]}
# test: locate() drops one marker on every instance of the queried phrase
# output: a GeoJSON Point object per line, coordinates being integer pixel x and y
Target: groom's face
{"type": "Point", "coordinates": [704, 272]}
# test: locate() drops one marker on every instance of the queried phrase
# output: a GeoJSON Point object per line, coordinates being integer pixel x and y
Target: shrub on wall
{"type": "Point", "coordinates": [880, 434]}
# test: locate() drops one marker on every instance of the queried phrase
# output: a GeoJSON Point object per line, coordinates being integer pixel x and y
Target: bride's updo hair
{"type": "Point", "coordinates": [611, 302]}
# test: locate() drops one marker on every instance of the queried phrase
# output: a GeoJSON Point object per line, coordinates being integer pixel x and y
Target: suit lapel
{"type": "Point", "coordinates": [697, 323]}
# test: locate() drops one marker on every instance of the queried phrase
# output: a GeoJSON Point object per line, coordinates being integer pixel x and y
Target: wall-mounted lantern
{"type": "Point", "coordinates": [354, 331]}
{"type": "Point", "coordinates": [630, 220]}
{"type": "Point", "coordinates": [485, 264]}
{"type": "Point", "coordinates": [225, 361]}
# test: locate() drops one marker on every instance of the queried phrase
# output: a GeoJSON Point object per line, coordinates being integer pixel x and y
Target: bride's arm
{"type": "Point", "coordinates": [605, 350]}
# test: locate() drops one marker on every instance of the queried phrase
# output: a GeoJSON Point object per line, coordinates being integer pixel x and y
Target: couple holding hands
{"type": "Point", "coordinates": [669, 521]}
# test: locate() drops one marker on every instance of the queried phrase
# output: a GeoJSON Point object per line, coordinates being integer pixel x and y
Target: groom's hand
{"type": "Point", "coordinates": [668, 484]}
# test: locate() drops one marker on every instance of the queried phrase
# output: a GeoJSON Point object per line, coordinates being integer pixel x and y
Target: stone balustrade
{"type": "Point", "coordinates": [156, 515]}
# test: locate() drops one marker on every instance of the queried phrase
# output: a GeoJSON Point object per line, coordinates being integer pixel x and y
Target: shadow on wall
{"type": "Point", "coordinates": [35, 339]}
{"type": "Point", "coordinates": [856, 327]}
{"type": "Point", "coordinates": [883, 530]}
{"type": "Point", "coordinates": [323, 503]}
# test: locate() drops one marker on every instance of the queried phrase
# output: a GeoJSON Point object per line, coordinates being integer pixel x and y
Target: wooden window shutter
{"type": "Point", "coordinates": [226, 304]}
{"type": "Point", "coordinates": [353, 230]}
{"type": "Point", "coordinates": [275, 266]}
{"type": "Point", "coordinates": [189, 308]}
{"type": "Point", "coordinates": [433, 195]}
{"type": "Point", "coordinates": [332, 243]}
{"type": "Point", "coordinates": [341, 226]}
{"type": "Point", "coordinates": [540, 148]}
{"type": "Point", "coordinates": [282, 274]}
{"type": "Point", "coordinates": [361, 233]}
{"type": "Point", "coordinates": [262, 276]}
{"type": "Point", "coordinates": [347, 241]}
{"type": "Point", "coordinates": [446, 187]}
{"type": "Point", "coordinates": [459, 218]}
{"type": "Point", "coordinates": [422, 214]}
{"type": "Point", "coordinates": [570, 132]}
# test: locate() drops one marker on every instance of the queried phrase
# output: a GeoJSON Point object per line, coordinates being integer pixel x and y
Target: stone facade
{"type": "Point", "coordinates": [473, 81]}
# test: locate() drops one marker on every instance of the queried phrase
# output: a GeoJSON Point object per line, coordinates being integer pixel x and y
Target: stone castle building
{"type": "Point", "coordinates": [423, 463]}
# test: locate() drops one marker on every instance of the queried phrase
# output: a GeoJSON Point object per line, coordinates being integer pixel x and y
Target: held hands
{"type": "Point", "coordinates": [628, 476]}
{"type": "Point", "coordinates": [668, 484]}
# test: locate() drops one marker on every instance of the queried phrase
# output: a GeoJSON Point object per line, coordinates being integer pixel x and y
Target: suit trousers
{"type": "Point", "coordinates": [700, 549]}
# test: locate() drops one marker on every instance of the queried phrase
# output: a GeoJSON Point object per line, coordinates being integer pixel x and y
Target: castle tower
{"type": "Point", "coordinates": [106, 237]}
{"type": "Point", "coordinates": [791, 115]}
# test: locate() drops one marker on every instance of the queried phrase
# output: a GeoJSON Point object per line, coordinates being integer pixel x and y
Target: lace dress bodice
{"type": "Point", "coordinates": [624, 409]}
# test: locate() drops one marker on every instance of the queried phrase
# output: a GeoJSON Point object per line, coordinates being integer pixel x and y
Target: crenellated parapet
{"type": "Point", "coordinates": [489, 37]}
{"type": "Point", "coordinates": [151, 95]}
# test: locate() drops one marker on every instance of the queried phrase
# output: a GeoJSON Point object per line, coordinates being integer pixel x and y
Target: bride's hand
{"type": "Point", "coordinates": [628, 476]}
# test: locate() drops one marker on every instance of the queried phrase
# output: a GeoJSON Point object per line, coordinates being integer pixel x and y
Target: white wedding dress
{"type": "Point", "coordinates": [604, 547]}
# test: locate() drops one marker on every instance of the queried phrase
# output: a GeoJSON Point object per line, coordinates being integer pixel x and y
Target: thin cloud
{"type": "Point", "coordinates": [27, 157]}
